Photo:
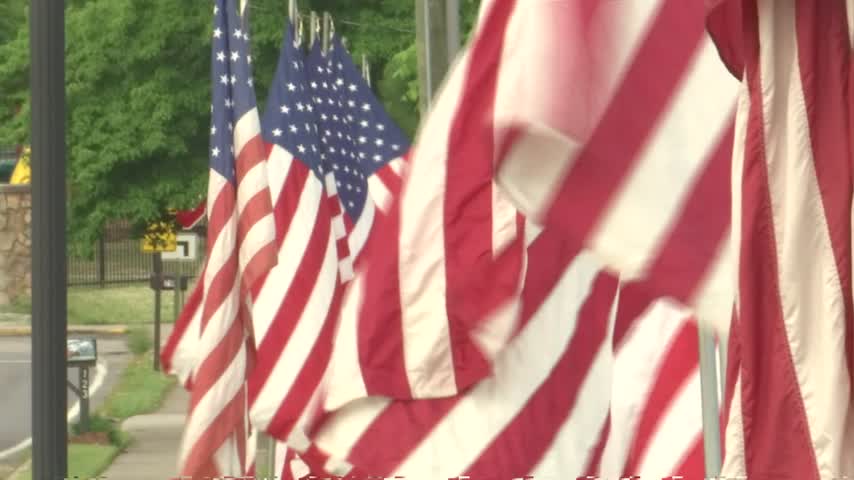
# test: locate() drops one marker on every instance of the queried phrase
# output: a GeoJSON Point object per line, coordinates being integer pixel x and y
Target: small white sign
{"type": "Point", "coordinates": [186, 249]}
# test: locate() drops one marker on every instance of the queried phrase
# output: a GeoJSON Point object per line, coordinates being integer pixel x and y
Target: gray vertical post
{"type": "Point", "coordinates": [158, 284]}
{"type": "Point", "coordinates": [49, 267]}
{"type": "Point", "coordinates": [452, 13]}
{"type": "Point", "coordinates": [102, 261]}
{"type": "Point", "coordinates": [83, 382]}
{"type": "Point", "coordinates": [431, 39]}
{"type": "Point", "coordinates": [176, 298]}
{"type": "Point", "coordinates": [709, 395]}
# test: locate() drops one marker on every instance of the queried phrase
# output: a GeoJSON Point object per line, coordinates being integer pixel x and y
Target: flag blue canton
{"type": "Point", "coordinates": [289, 119]}
{"type": "Point", "coordinates": [233, 94]}
{"type": "Point", "coordinates": [356, 133]}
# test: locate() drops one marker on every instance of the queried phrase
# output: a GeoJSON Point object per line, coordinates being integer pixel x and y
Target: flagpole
{"type": "Point", "coordinates": [327, 32]}
{"type": "Point", "coordinates": [709, 397]}
{"type": "Point", "coordinates": [452, 13]}
{"type": "Point", "coordinates": [312, 34]}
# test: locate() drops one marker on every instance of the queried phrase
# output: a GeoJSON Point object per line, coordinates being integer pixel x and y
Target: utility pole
{"type": "Point", "coordinates": [431, 33]}
{"type": "Point", "coordinates": [49, 268]}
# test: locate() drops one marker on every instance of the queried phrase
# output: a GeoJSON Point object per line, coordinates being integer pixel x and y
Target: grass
{"type": "Point", "coordinates": [119, 305]}
{"type": "Point", "coordinates": [140, 390]}
{"type": "Point", "coordinates": [84, 461]}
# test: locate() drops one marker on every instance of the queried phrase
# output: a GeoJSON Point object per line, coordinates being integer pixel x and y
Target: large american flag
{"type": "Point", "coordinates": [650, 192]}
{"type": "Point", "coordinates": [792, 339]}
{"type": "Point", "coordinates": [636, 162]}
{"type": "Point", "coordinates": [564, 418]}
{"type": "Point", "coordinates": [241, 248]}
{"type": "Point", "coordinates": [573, 393]}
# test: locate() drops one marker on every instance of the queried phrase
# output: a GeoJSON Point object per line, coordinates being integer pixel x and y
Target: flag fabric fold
{"type": "Point", "coordinates": [791, 354]}
{"type": "Point", "coordinates": [567, 397]}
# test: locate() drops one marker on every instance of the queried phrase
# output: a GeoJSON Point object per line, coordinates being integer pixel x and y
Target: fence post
{"type": "Point", "coordinates": [102, 262]}
{"type": "Point", "coordinates": [158, 284]}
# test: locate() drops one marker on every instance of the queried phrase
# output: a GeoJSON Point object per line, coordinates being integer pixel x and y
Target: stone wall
{"type": "Point", "coordinates": [15, 246]}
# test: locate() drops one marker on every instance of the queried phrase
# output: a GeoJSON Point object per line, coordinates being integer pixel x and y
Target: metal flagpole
{"type": "Point", "coordinates": [428, 93]}
{"type": "Point", "coordinates": [327, 32]}
{"type": "Point", "coordinates": [452, 13]}
{"type": "Point", "coordinates": [366, 69]}
{"type": "Point", "coordinates": [312, 28]}
{"type": "Point", "coordinates": [709, 395]}
{"type": "Point", "coordinates": [49, 268]}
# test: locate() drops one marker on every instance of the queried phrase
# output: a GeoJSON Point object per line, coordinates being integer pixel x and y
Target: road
{"type": "Point", "coordinates": [15, 393]}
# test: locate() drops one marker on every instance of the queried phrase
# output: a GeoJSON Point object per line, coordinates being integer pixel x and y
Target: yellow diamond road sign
{"type": "Point", "coordinates": [159, 238]}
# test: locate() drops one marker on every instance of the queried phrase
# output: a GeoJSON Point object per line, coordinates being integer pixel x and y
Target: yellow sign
{"type": "Point", "coordinates": [21, 174]}
{"type": "Point", "coordinates": [159, 237]}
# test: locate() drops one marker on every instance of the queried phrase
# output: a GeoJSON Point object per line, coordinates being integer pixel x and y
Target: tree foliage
{"type": "Point", "coordinates": [138, 92]}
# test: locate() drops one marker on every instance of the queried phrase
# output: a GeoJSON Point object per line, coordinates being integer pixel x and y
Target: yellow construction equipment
{"type": "Point", "coordinates": [21, 174]}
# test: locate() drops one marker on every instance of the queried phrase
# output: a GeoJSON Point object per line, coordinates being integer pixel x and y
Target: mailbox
{"type": "Point", "coordinates": [81, 351]}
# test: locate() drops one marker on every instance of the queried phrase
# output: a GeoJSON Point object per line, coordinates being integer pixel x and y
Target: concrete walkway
{"type": "Point", "coordinates": [153, 455]}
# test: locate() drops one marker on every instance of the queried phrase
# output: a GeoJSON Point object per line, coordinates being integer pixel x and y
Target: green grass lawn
{"type": "Point", "coordinates": [122, 305]}
{"type": "Point", "coordinates": [140, 390]}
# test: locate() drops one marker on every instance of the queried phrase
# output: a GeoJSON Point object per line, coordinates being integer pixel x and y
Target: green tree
{"type": "Point", "coordinates": [138, 92]}
{"type": "Point", "coordinates": [12, 18]}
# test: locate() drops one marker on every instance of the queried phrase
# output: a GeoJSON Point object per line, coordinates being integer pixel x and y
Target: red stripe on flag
{"type": "Point", "coordinates": [309, 377]}
{"type": "Point", "coordinates": [647, 100]}
{"type": "Point", "coordinates": [769, 386]}
{"type": "Point", "coordinates": [199, 461]}
{"type": "Point", "coordinates": [292, 307]}
{"type": "Point", "coordinates": [689, 249]}
{"type": "Point", "coordinates": [674, 372]}
{"type": "Point", "coordinates": [539, 422]}
{"type": "Point", "coordinates": [468, 214]}
{"type": "Point", "coordinates": [380, 340]}
{"type": "Point", "coordinates": [594, 464]}
{"type": "Point", "coordinates": [285, 209]}
{"type": "Point", "coordinates": [211, 367]}
{"type": "Point", "coordinates": [825, 63]}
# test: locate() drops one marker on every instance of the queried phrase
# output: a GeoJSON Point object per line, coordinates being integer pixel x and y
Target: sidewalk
{"type": "Point", "coordinates": [157, 438]}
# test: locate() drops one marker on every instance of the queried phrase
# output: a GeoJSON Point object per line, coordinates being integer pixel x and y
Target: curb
{"type": "Point", "coordinates": [26, 330]}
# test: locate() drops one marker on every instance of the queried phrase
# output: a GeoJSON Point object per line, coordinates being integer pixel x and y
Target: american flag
{"type": "Point", "coordinates": [296, 308]}
{"type": "Point", "coordinates": [651, 193]}
{"type": "Point", "coordinates": [241, 248]}
{"type": "Point", "coordinates": [635, 162]}
{"type": "Point", "coordinates": [792, 339]}
{"type": "Point", "coordinates": [559, 417]}
{"type": "Point", "coordinates": [333, 180]}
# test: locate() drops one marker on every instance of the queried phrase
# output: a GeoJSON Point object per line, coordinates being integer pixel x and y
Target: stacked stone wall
{"type": "Point", "coordinates": [15, 243]}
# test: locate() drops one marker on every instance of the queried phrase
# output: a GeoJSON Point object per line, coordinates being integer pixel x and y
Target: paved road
{"type": "Point", "coordinates": [15, 385]}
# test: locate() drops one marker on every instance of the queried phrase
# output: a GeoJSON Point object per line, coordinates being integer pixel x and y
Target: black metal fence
{"type": "Point", "coordinates": [119, 259]}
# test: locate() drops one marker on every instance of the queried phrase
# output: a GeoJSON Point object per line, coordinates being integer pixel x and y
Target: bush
{"type": "Point", "coordinates": [139, 340]}
{"type": "Point", "coordinates": [102, 424]}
